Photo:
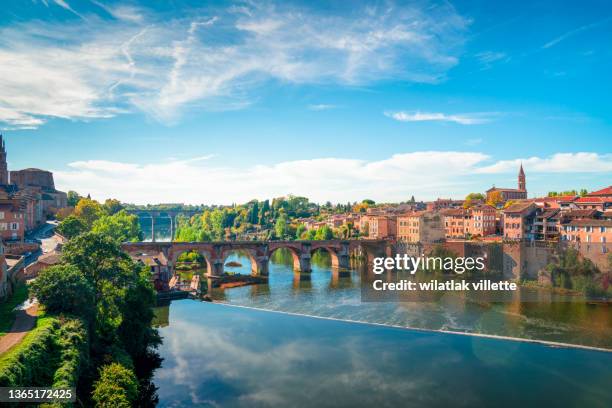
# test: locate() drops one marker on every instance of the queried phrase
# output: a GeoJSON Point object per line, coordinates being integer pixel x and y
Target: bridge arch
{"type": "Point", "coordinates": [335, 261]}
{"type": "Point", "coordinates": [256, 266]}
{"type": "Point", "coordinates": [296, 255]}
{"type": "Point", "coordinates": [207, 256]}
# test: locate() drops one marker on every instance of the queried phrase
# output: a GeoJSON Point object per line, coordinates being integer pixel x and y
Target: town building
{"type": "Point", "coordinates": [481, 220]}
{"type": "Point", "coordinates": [586, 225]}
{"type": "Point", "coordinates": [12, 218]}
{"type": "Point", "coordinates": [518, 221]}
{"type": "Point", "coordinates": [546, 224]}
{"type": "Point", "coordinates": [443, 203]}
{"type": "Point", "coordinates": [421, 226]}
{"type": "Point", "coordinates": [455, 223]}
{"type": "Point", "coordinates": [508, 194]}
{"type": "Point", "coordinates": [27, 198]}
{"type": "Point", "coordinates": [379, 226]}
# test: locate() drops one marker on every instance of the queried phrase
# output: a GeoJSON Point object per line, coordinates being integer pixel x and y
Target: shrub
{"type": "Point", "coordinates": [117, 387]}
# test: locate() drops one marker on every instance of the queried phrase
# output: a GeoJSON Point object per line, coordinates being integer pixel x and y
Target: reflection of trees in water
{"type": "Point", "coordinates": [321, 258]}
{"type": "Point", "coordinates": [283, 256]}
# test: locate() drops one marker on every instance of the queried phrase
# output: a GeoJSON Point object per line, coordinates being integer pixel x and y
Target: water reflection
{"type": "Point", "coordinates": [326, 293]}
{"type": "Point", "coordinates": [217, 355]}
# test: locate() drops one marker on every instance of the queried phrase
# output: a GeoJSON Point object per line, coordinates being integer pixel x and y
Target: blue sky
{"type": "Point", "coordinates": [220, 102]}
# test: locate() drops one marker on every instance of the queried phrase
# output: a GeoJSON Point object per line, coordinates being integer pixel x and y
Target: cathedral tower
{"type": "Point", "coordinates": [522, 185]}
{"type": "Point", "coordinates": [4, 179]}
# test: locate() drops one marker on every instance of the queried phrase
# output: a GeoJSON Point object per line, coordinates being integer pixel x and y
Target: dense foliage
{"type": "Point", "coordinates": [117, 387]}
{"type": "Point", "coordinates": [279, 219]}
{"type": "Point", "coordinates": [113, 296]}
{"type": "Point", "coordinates": [109, 219]}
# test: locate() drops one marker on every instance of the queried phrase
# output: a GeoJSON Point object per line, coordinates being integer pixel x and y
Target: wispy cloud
{"type": "Point", "coordinates": [488, 58]}
{"type": "Point", "coordinates": [321, 107]}
{"type": "Point", "coordinates": [462, 119]}
{"type": "Point", "coordinates": [574, 32]}
{"type": "Point", "coordinates": [128, 59]}
{"type": "Point", "coordinates": [429, 174]}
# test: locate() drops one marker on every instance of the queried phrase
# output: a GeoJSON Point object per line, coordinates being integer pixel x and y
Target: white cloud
{"type": "Point", "coordinates": [462, 119]}
{"type": "Point", "coordinates": [96, 67]}
{"type": "Point", "coordinates": [427, 174]}
{"type": "Point", "coordinates": [581, 162]}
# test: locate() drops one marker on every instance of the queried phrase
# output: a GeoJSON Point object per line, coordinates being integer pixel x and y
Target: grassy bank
{"type": "Point", "coordinates": [51, 354]}
{"type": "Point", "coordinates": [7, 312]}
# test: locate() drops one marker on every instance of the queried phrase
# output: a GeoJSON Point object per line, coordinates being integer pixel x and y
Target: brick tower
{"type": "Point", "coordinates": [522, 185]}
{"type": "Point", "coordinates": [4, 179]}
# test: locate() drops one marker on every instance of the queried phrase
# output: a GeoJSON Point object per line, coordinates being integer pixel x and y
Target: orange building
{"type": "Point", "coordinates": [421, 226]}
{"type": "Point", "coordinates": [518, 221]}
{"type": "Point", "coordinates": [12, 220]}
{"type": "Point", "coordinates": [587, 230]}
{"type": "Point", "coordinates": [455, 222]}
{"type": "Point", "coordinates": [381, 226]}
{"type": "Point", "coordinates": [519, 193]}
{"type": "Point", "coordinates": [481, 220]}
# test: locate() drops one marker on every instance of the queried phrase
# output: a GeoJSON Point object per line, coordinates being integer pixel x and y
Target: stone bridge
{"type": "Point", "coordinates": [259, 252]}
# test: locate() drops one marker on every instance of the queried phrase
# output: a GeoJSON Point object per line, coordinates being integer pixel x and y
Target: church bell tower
{"type": "Point", "coordinates": [4, 176]}
{"type": "Point", "coordinates": [522, 185]}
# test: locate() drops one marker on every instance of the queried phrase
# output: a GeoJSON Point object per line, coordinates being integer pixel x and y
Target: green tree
{"type": "Point", "coordinates": [324, 233]}
{"type": "Point", "coordinates": [64, 289]}
{"type": "Point", "coordinates": [281, 228]}
{"type": "Point", "coordinates": [72, 198]}
{"type": "Point", "coordinates": [117, 387]}
{"type": "Point", "coordinates": [88, 210]}
{"type": "Point", "coordinates": [121, 226]}
{"type": "Point", "coordinates": [112, 206]}
{"type": "Point", "coordinates": [71, 226]}
{"type": "Point", "coordinates": [299, 231]}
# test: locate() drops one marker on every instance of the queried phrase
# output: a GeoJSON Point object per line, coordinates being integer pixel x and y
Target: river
{"type": "Point", "coordinates": [261, 346]}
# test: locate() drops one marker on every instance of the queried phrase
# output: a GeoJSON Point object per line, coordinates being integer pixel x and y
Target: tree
{"type": "Point", "coordinates": [280, 228]}
{"type": "Point", "coordinates": [368, 202]}
{"type": "Point", "coordinates": [122, 227]}
{"type": "Point", "coordinates": [299, 231]}
{"type": "Point", "coordinates": [72, 198]}
{"type": "Point", "coordinates": [583, 192]}
{"type": "Point", "coordinates": [324, 233]}
{"type": "Point", "coordinates": [117, 387]}
{"type": "Point", "coordinates": [88, 211]}
{"type": "Point", "coordinates": [71, 226]}
{"type": "Point", "coordinates": [112, 206]}
{"type": "Point", "coordinates": [495, 198]}
{"type": "Point", "coordinates": [64, 289]}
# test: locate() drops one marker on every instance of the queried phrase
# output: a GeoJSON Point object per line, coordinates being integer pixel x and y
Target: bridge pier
{"type": "Point", "coordinates": [302, 263]}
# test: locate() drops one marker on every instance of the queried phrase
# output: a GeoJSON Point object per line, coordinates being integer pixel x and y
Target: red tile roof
{"type": "Point", "coordinates": [590, 200]}
{"type": "Point", "coordinates": [603, 192]}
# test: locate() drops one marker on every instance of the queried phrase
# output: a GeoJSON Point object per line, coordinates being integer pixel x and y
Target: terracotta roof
{"type": "Point", "coordinates": [483, 207]}
{"type": "Point", "coordinates": [518, 207]}
{"type": "Point", "coordinates": [549, 213]}
{"type": "Point", "coordinates": [453, 211]}
{"type": "Point", "coordinates": [591, 222]}
{"type": "Point", "coordinates": [603, 192]}
{"type": "Point", "coordinates": [589, 213]}
{"type": "Point", "coordinates": [50, 258]}
{"type": "Point", "coordinates": [514, 190]}
{"type": "Point", "coordinates": [591, 200]}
